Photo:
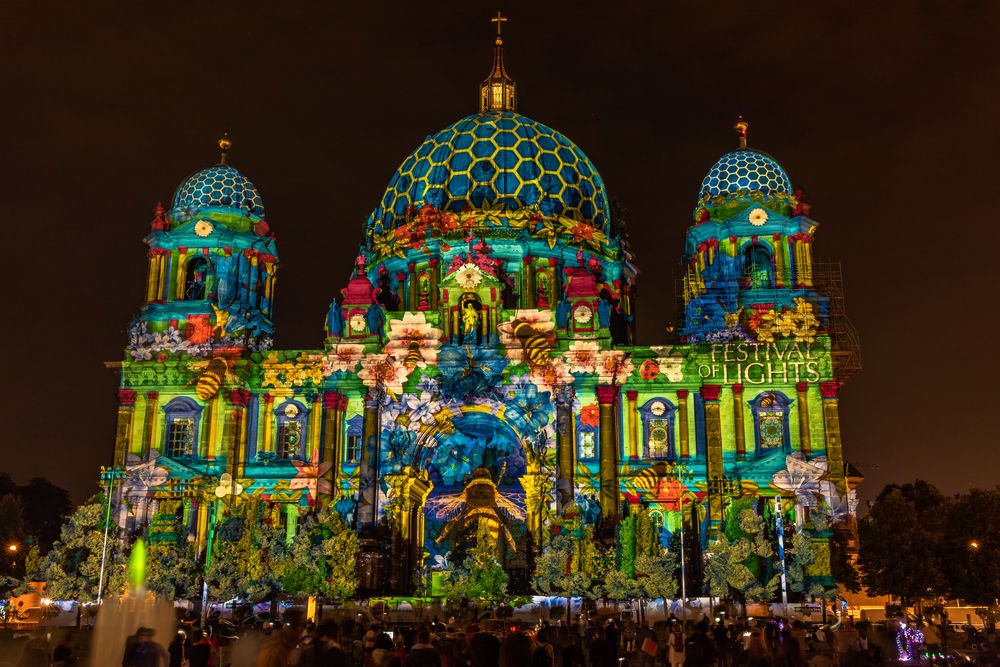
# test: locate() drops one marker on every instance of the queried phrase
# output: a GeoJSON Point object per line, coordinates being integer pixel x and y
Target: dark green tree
{"type": "Point", "coordinates": [46, 507]}
{"type": "Point", "coordinates": [900, 550]}
{"type": "Point", "coordinates": [970, 546]}
{"type": "Point", "coordinates": [72, 569]}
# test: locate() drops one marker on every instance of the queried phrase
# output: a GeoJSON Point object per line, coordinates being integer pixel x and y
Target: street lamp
{"type": "Point", "coordinates": [681, 472]}
{"type": "Point", "coordinates": [109, 475]}
{"type": "Point", "coordinates": [974, 545]}
{"type": "Point", "coordinates": [12, 548]}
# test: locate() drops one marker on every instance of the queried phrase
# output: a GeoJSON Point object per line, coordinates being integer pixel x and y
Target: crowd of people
{"type": "Point", "coordinates": [295, 642]}
{"type": "Point", "coordinates": [608, 643]}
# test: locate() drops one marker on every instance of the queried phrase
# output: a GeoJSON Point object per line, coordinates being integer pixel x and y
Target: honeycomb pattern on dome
{"type": "Point", "coordinates": [498, 157]}
{"type": "Point", "coordinates": [221, 185]}
{"type": "Point", "coordinates": [745, 170]}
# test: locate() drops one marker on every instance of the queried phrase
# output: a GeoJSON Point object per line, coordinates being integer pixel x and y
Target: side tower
{"type": "Point", "coordinates": [185, 413]}
{"type": "Point", "coordinates": [766, 324]}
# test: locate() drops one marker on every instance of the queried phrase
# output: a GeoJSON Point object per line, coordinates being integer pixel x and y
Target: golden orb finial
{"type": "Point", "coordinates": [741, 127]}
{"type": "Point", "coordinates": [224, 143]}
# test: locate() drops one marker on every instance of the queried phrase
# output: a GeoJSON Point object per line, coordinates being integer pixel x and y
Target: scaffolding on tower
{"type": "Point", "coordinates": [828, 278]}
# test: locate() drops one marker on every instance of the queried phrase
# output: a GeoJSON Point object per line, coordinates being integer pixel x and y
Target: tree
{"type": "Point", "coordinates": [72, 569]}
{"type": "Point", "coordinates": [45, 507]}
{"type": "Point", "coordinates": [173, 571]}
{"type": "Point", "coordinates": [900, 542]}
{"type": "Point", "coordinates": [12, 535]}
{"type": "Point", "coordinates": [247, 555]}
{"type": "Point", "coordinates": [725, 567]}
{"type": "Point", "coordinates": [480, 577]}
{"type": "Point", "coordinates": [655, 575]}
{"type": "Point", "coordinates": [568, 566]}
{"type": "Point", "coordinates": [970, 546]}
{"type": "Point", "coordinates": [322, 558]}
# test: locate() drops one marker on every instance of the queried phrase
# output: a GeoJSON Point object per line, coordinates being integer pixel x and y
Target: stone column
{"type": "Point", "coordinates": [123, 430]}
{"type": "Point", "coordinates": [315, 425]}
{"type": "Point", "coordinates": [404, 303]}
{"type": "Point", "coordinates": [333, 404]}
{"type": "Point", "coordinates": [830, 392]}
{"type": "Point", "coordinates": [414, 289]}
{"type": "Point", "coordinates": [236, 436]}
{"type": "Point", "coordinates": [738, 428]}
{"type": "Point", "coordinates": [633, 424]}
{"type": "Point", "coordinates": [267, 423]}
{"type": "Point", "coordinates": [682, 416]}
{"type": "Point", "coordinates": [528, 280]}
{"type": "Point", "coordinates": [369, 462]}
{"type": "Point", "coordinates": [149, 430]}
{"type": "Point", "coordinates": [435, 297]}
{"type": "Point", "coordinates": [804, 438]}
{"type": "Point", "coordinates": [566, 441]}
{"type": "Point", "coordinates": [607, 398]}
{"type": "Point", "coordinates": [714, 467]}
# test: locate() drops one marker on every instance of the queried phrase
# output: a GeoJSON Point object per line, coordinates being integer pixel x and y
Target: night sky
{"type": "Point", "coordinates": [886, 117]}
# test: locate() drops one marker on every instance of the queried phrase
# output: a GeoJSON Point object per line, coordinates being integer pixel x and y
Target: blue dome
{"type": "Point", "coordinates": [745, 170]}
{"type": "Point", "coordinates": [496, 157]}
{"type": "Point", "coordinates": [221, 186]}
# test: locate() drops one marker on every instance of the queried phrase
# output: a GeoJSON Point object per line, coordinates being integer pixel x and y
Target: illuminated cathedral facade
{"type": "Point", "coordinates": [480, 365]}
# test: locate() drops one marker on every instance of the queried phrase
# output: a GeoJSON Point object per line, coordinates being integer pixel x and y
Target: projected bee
{"type": "Point", "coordinates": [413, 356]}
{"type": "Point", "coordinates": [213, 374]}
{"type": "Point", "coordinates": [480, 500]}
{"type": "Point", "coordinates": [535, 344]}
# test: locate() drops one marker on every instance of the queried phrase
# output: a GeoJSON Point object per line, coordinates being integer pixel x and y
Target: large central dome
{"type": "Point", "coordinates": [492, 158]}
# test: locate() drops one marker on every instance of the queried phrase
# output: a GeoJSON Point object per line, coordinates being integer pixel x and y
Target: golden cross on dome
{"type": "Point", "coordinates": [499, 19]}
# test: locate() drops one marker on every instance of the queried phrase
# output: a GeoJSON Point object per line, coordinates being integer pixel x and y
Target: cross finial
{"type": "Point", "coordinates": [741, 128]}
{"type": "Point", "coordinates": [499, 19]}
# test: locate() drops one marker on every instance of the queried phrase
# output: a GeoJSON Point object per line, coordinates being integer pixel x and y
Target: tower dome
{"type": "Point", "coordinates": [220, 186]}
{"type": "Point", "coordinates": [746, 170]}
{"type": "Point", "coordinates": [494, 158]}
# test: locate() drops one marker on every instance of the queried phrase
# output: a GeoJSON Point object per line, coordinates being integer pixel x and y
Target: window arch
{"type": "Point", "coordinates": [586, 441]}
{"type": "Point", "coordinates": [291, 418]}
{"type": "Point", "coordinates": [770, 421]}
{"type": "Point", "coordinates": [181, 418]}
{"type": "Point", "coordinates": [196, 272]}
{"type": "Point", "coordinates": [355, 433]}
{"type": "Point", "coordinates": [758, 267]}
{"type": "Point", "coordinates": [658, 429]}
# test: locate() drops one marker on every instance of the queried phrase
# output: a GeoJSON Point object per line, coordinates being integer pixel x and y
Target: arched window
{"type": "Point", "coordinates": [758, 269]}
{"type": "Point", "coordinates": [658, 429]}
{"type": "Point", "coordinates": [770, 421]}
{"type": "Point", "coordinates": [181, 417]}
{"type": "Point", "coordinates": [586, 439]}
{"type": "Point", "coordinates": [355, 432]}
{"type": "Point", "coordinates": [290, 442]}
{"type": "Point", "coordinates": [196, 272]}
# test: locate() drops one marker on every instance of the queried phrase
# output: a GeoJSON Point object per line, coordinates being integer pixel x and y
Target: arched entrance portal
{"type": "Point", "coordinates": [477, 472]}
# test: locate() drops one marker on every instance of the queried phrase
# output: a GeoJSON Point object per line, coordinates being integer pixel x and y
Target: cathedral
{"type": "Point", "coordinates": [480, 367]}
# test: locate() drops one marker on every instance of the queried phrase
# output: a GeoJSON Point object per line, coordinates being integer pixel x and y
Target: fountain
{"type": "Point", "coordinates": [120, 617]}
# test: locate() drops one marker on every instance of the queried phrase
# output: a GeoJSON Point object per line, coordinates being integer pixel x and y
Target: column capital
{"type": "Point", "coordinates": [126, 397]}
{"type": "Point", "coordinates": [710, 392]}
{"type": "Point", "coordinates": [738, 389]}
{"type": "Point", "coordinates": [682, 394]}
{"type": "Point", "coordinates": [802, 387]}
{"type": "Point", "coordinates": [607, 394]}
{"type": "Point", "coordinates": [334, 400]}
{"type": "Point", "coordinates": [632, 394]}
{"type": "Point", "coordinates": [238, 398]}
{"type": "Point", "coordinates": [829, 389]}
{"type": "Point", "coordinates": [268, 398]}
{"type": "Point", "coordinates": [152, 395]}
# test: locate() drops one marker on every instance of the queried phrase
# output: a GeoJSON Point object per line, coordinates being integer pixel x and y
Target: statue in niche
{"type": "Point", "coordinates": [544, 283]}
{"type": "Point", "coordinates": [470, 323]}
{"type": "Point", "coordinates": [423, 292]}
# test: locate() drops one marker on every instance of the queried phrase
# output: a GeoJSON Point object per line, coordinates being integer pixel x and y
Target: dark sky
{"type": "Point", "coordinates": [885, 113]}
